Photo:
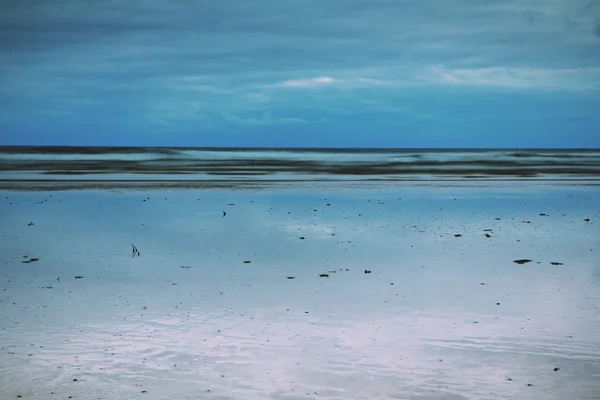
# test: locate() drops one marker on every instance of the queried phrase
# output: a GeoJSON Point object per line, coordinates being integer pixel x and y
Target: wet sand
{"type": "Point", "coordinates": [261, 292]}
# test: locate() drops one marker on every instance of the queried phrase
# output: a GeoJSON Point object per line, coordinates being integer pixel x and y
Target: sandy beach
{"type": "Point", "coordinates": [323, 290]}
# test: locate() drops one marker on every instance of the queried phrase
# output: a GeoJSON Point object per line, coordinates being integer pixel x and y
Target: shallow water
{"type": "Point", "coordinates": [424, 324]}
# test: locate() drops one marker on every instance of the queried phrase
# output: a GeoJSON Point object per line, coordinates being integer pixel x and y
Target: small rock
{"type": "Point", "coordinates": [324, 275]}
{"type": "Point", "coordinates": [247, 262]}
{"type": "Point", "coordinates": [556, 369]}
{"type": "Point", "coordinates": [587, 220]}
{"type": "Point", "coordinates": [522, 261]}
{"type": "Point", "coordinates": [487, 235]}
{"type": "Point", "coordinates": [367, 271]}
{"type": "Point", "coordinates": [556, 263]}
{"type": "Point", "coordinates": [457, 235]}
{"type": "Point", "coordinates": [291, 277]}
{"type": "Point", "coordinates": [302, 238]}
{"type": "Point", "coordinates": [78, 277]}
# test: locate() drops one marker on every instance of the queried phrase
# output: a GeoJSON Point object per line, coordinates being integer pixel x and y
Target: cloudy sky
{"type": "Point", "coordinates": [342, 73]}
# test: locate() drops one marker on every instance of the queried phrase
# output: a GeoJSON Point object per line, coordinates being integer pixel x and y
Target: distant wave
{"type": "Point", "coordinates": [127, 163]}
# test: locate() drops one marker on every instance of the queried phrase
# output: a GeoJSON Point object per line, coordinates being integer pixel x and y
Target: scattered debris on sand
{"type": "Point", "coordinates": [522, 261]}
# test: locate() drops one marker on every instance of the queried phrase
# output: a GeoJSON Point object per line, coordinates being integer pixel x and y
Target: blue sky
{"type": "Point", "coordinates": [341, 73]}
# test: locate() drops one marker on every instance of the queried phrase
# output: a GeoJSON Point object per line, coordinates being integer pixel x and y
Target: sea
{"type": "Point", "coordinates": [167, 164]}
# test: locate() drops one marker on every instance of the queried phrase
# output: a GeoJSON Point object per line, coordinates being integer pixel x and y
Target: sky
{"type": "Point", "coordinates": [301, 73]}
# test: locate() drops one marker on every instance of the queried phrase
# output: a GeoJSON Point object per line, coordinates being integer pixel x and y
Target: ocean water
{"type": "Point", "coordinates": [206, 164]}
{"type": "Point", "coordinates": [207, 309]}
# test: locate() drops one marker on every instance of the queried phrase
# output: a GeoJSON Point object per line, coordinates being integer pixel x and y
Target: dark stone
{"type": "Point", "coordinates": [522, 261]}
{"type": "Point", "coordinates": [367, 271]}
{"type": "Point", "coordinates": [324, 275]}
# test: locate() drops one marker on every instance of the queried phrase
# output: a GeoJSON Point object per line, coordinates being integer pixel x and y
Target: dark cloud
{"type": "Point", "coordinates": [164, 58]}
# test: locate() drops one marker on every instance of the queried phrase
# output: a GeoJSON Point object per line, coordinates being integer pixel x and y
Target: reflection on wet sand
{"type": "Point", "coordinates": [206, 307]}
